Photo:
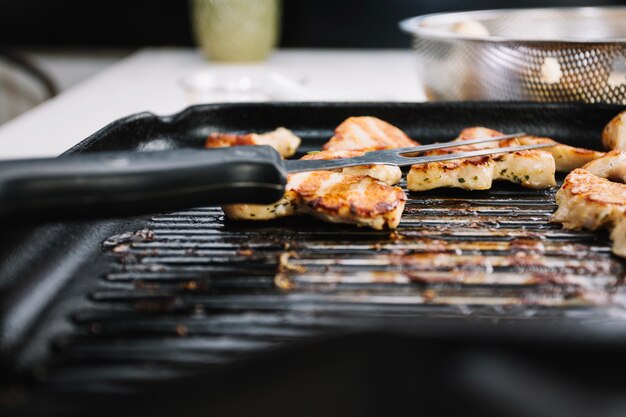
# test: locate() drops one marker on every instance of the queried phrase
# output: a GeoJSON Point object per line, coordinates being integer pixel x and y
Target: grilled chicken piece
{"type": "Point", "coordinates": [357, 195]}
{"type": "Point", "coordinates": [611, 166]}
{"type": "Point", "coordinates": [589, 199]}
{"type": "Point", "coordinates": [565, 157]}
{"type": "Point", "coordinates": [388, 174]}
{"type": "Point", "coordinates": [281, 139]}
{"type": "Point", "coordinates": [614, 134]}
{"type": "Point", "coordinates": [367, 133]}
{"type": "Point", "coordinates": [532, 168]}
{"type": "Point", "coordinates": [285, 207]}
{"type": "Point", "coordinates": [334, 197]}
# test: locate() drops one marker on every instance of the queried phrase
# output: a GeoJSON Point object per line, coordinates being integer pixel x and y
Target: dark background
{"type": "Point", "coordinates": [306, 23]}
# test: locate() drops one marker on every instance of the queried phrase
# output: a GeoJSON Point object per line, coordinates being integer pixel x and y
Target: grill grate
{"type": "Point", "coordinates": [194, 290]}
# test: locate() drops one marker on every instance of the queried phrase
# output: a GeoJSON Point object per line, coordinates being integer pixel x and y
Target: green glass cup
{"type": "Point", "coordinates": [236, 30]}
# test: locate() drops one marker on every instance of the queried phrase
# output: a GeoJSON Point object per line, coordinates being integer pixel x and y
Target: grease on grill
{"type": "Point", "coordinates": [460, 250]}
{"type": "Point", "coordinates": [193, 290]}
{"type": "Point", "coordinates": [121, 242]}
{"type": "Point", "coordinates": [285, 264]}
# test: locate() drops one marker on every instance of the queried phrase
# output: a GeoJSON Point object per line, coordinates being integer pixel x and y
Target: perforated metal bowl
{"type": "Point", "coordinates": [550, 55]}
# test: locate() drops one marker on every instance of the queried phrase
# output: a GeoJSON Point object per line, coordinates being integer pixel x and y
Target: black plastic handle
{"type": "Point", "coordinates": [120, 183]}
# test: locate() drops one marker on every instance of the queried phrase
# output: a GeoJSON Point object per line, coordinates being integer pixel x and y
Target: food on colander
{"type": "Point", "coordinates": [355, 195]}
{"type": "Point", "coordinates": [470, 27]}
{"type": "Point", "coordinates": [546, 54]}
{"type": "Point", "coordinates": [614, 134]}
{"type": "Point", "coordinates": [616, 79]}
{"type": "Point", "coordinates": [281, 139]}
{"type": "Point", "coordinates": [532, 169]}
{"type": "Point", "coordinates": [551, 71]}
{"type": "Point", "coordinates": [589, 198]}
{"type": "Point", "coordinates": [333, 197]}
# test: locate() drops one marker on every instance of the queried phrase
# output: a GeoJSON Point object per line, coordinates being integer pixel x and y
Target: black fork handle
{"type": "Point", "coordinates": [124, 183]}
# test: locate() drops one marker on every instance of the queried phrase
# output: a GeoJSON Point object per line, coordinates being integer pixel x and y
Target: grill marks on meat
{"type": "Point", "coordinates": [531, 168]}
{"type": "Point", "coordinates": [589, 199]}
{"type": "Point", "coordinates": [281, 139]}
{"type": "Point", "coordinates": [333, 197]}
{"type": "Point", "coordinates": [355, 199]}
{"type": "Point", "coordinates": [362, 195]}
{"type": "Point", "coordinates": [367, 133]}
{"type": "Point", "coordinates": [355, 195]}
{"type": "Point", "coordinates": [566, 157]}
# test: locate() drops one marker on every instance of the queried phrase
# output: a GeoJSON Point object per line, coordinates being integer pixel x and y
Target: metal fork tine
{"type": "Point", "coordinates": [387, 158]}
{"type": "Point", "coordinates": [404, 161]}
{"type": "Point", "coordinates": [454, 144]}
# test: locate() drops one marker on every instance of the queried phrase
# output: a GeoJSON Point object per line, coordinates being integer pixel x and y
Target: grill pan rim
{"type": "Point", "coordinates": [108, 130]}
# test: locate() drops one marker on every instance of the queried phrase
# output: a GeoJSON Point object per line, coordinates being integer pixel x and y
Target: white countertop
{"type": "Point", "coordinates": [165, 81]}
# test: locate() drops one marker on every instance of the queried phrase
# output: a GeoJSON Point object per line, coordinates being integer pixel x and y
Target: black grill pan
{"type": "Point", "coordinates": [92, 311]}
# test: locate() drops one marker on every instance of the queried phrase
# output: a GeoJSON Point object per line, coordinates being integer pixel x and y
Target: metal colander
{"type": "Point", "coordinates": [549, 55]}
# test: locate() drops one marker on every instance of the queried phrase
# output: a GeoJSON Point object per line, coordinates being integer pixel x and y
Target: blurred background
{"type": "Point", "coordinates": [306, 23]}
{"type": "Point", "coordinates": [47, 47]}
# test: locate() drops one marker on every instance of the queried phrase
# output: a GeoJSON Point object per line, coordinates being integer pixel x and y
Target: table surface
{"type": "Point", "coordinates": [166, 80]}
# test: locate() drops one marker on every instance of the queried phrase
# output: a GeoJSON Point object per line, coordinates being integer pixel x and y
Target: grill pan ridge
{"type": "Point", "coordinates": [157, 297]}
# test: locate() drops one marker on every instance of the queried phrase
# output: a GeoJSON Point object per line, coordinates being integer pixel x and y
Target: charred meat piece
{"type": "Point", "coordinates": [532, 169]}
{"type": "Point", "coordinates": [281, 139]}
{"type": "Point", "coordinates": [566, 157]}
{"type": "Point", "coordinates": [356, 195]}
{"type": "Point", "coordinates": [589, 199]}
{"type": "Point", "coordinates": [333, 197]}
{"type": "Point", "coordinates": [367, 133]}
